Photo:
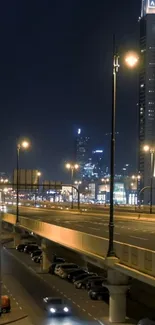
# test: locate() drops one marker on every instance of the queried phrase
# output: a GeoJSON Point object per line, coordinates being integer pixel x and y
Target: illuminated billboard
{"type": "Point", "coordinates": [148, 7]}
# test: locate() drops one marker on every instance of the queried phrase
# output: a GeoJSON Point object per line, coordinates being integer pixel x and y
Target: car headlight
{"type": "Point", "coordinates": [52, 310]}
{"type": "Point", "coordinates": [66, 309]}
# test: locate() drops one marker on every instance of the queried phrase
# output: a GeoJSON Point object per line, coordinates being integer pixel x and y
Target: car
{"type": "Point", "coordinates": [81, 284]}
{"type": "Point", "coordinates": [99, 293]}
{"type": "Point", "coordinates": [64, 274]}
{"type": "Point", "coordinates": [54, 264]}
{"type": "Point", "coordinates": [30, 248]}
{"type": "Point", "coordinates": [59, 269]}
{"type": "Point", "coordinates": [94, 283]}
{"type": "Point", "coordinates": [56, 306]}
{"type": "Point", "coordinates": [147, 321]}
{"type": "Point", "coordinates": [75, 273]}
{"type": "Point", "coordinates": [37, 259]}
{"type": "Point", "coordinates": [81, 276]}
{"type": "Point", "coordinates": [38, 252]}
{"type": "Point", "coordinates": [21, 247]}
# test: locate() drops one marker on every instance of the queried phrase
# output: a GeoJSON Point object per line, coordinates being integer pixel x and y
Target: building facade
{"type": "Point", "coordinates": [82, 143]}
{"type": "Point", "coordinates": [146, 92]}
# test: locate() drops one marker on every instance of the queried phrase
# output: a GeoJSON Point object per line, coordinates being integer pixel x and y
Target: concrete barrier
{"type": "Point", "coordinates": [133, 257]}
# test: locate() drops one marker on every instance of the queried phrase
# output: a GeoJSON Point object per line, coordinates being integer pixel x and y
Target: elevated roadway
{"type": "Point", "coordinates": [128, 229]}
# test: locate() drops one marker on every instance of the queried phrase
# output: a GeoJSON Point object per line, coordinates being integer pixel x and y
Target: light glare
{"type": "Point", "coordinates": [131, 60]}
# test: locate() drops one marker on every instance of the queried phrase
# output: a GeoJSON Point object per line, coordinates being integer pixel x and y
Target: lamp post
{"type": "Point", "coordinates": [21, 145]}
{"type": "Point", "coordinates": [137, 179]}
{"type": "Point", "coordinates": [151, 150]}
{"type": "Point", "coordinates": [105, 180]}
{"type": "Point", "coordinates": [131, 60]}
{"type": "Point", "coordinates": [38, 177]}
{"type": "Point", "coordinates": [72, 167]}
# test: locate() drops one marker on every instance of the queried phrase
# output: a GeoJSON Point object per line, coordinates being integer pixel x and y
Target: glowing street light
{"type": "Point", "coordinates": [151, 150]}
{"type": "Point", "coordinates": [131, 61]}
{"type": "Point", "coordinates": [72, 167]}
{"type": "Point", "coordinates": [24, 144]}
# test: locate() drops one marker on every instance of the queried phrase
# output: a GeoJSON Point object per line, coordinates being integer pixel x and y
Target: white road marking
{"type": "Point", "coordinates": [116, 233]}
{"type": "Point", "coordinates": [78, 306]}
{"type": "Point", "coordinates": [93, 228]}
{"type": "Point", "coordinates": [90, 314]}
{"type": "Point", "coordinates": [83, 309]}
{"type": "Point", "coordinates": [138, 238]}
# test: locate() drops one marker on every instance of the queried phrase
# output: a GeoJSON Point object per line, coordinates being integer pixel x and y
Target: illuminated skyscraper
{"type": "Point", "coordinates": [146, 90]}
{"type": "Point", "coordinates": [82, 150]}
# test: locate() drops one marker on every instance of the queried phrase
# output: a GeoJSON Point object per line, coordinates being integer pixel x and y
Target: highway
{"type": "Point", "coordinates": [30, 289]}
{"type": "Point", "coordinates": [135, 232]}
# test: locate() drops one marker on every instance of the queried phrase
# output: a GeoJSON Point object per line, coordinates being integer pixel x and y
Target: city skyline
{"type": "Point", "coordinates": [48, 87]}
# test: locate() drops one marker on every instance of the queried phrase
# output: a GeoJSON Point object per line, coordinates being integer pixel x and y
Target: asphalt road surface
{"type": "Point", "coordinates": [135, 232]}
{"type": "Point", "coordinates": [32, 291]}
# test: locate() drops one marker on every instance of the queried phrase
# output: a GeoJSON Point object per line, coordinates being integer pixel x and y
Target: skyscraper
{"type": "Point", "coordinates": [81, 150]}
{"type": "Point", "coordinates": [146, 91]}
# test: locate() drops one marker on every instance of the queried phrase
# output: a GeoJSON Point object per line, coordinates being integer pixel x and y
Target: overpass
{"type": "Point", "coordinates": [131, 261]}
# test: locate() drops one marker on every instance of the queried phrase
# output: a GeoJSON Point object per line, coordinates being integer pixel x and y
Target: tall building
{"type": "Point", "coordinates": [146, 91]}
{"type": "Point", "coordinates": [81, 150]}
{"type": "Point", "coordinates": [98, 162]}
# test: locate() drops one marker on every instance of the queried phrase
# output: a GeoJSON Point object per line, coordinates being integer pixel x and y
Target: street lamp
{"type": "Point", "coordinates": [72, 167]}
{"type": "Point", "coordinates": [20, 145]}
{"type": "Point", "coordinates": [136, 178]}
{"type": "Point", "coordinates": [35, 195]}
{"type": "Point", "coordinates": [131, 61]}
{"type": "Point", "coordinates": [151, 150]}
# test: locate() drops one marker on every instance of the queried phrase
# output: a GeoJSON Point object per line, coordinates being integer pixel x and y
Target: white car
{"type": "Point", "coordinates": [60, 268]}
{"type": "Point", "coordinates": [147, 321]}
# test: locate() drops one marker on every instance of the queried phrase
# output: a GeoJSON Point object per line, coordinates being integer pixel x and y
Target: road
{"type": "Point", "coordinates": [31, 291]}
{"type": "Point", "coordinates": [134, 232]}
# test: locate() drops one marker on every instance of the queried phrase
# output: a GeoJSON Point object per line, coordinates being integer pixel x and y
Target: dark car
{"type": "Point", "coordinates": [99, 293]}
{"type": "Point", "coordinates": [37, 259]}
{"type": "Point", "coordinates": [75, 273]}
{"type": "Point", "coordinates": [81, 284]}
{"type": "Point", "coordinates": [30, 248]}
{"type": "Point", "coordinates": [21, 247]}
{"type": "Point", "coordinates": [56, 306]}
{"type": "Point", "coordinates": [94, 283]}
{"type": "Point", "coordinates": [82, 276]}
{"type": "Point", "coordinates": [38, 252]}
{"type": "Point", "coordinates": [54, 264]}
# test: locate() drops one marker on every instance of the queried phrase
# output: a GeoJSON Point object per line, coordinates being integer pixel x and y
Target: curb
{"type": "Point", "coordinates": [12, 321]}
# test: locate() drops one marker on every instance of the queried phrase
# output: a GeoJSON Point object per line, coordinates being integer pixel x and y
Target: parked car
{"type": "Point", "coordinates": [82, 276]}
{"type": "Point", "coordinates": [30, 248]}
{"type": "Point", "coordinates": [56, 306]}
{"type": "Point", "coordinates": [81, 284]}
{"type": "Point", "coordinates": [94, 283]}
{"type": "Point", "coordinates": [147, 321]}
{"type": "Point", "coordinates": [54, 264]}
{"type": "Point", "coordinates": [37, 259]}
{"type": "Point", "coordinates": [38, 252]}
{"type": "Point", "coordinates": [21, 247]}
{"type": "Point", "coordinates": [99, 293]}
{"type": "Point", "coordinates": [75, 273]}
{"type": "Point", "coordinates": [64, 274]}
{"type": "Point", "coordinates": [59, 269]}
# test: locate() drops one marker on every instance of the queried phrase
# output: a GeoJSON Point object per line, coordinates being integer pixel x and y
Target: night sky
{"type": "Point", "coordinates": [55, 75]}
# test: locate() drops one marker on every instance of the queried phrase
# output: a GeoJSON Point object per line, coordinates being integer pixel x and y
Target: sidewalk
{"type": "Point", "coordinates": [17, 315]}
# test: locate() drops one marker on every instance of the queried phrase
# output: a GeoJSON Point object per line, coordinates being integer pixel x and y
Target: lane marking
{"type": "Point", "coordinates": [74, 302]}
{"type": "Point", "coordinates": [78, 306]}
{"type": "Point", "coordinates": [93, 228]}
{"type": "Point", "coordinates": [138, 238]}
{"type": "Point", "coordinates": [116, 233]}
{"type": "Point", "coordinates": [90, 314]}
{"type": "Point", "coordinates": [83, 309]}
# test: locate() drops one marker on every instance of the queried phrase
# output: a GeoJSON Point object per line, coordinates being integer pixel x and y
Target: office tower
{"type": "Point", "coordinates": [81, 150]}
{"type": "Point", "coordinates": [146, 92]}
